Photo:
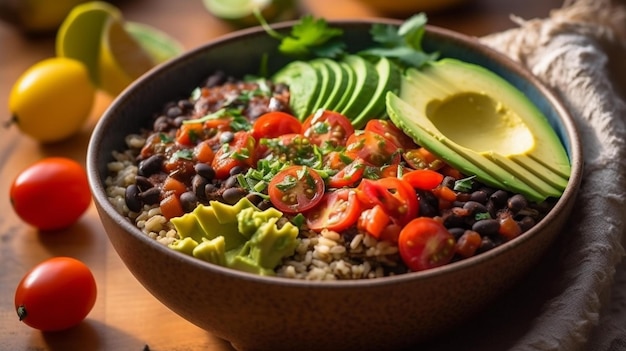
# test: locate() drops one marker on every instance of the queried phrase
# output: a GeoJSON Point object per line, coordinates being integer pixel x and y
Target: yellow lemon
{"type": "Point", "coordinates": [52, 99]}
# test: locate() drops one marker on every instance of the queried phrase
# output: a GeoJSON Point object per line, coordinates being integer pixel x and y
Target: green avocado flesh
{"type": "Point", "coordinates": [483, 126]}
{"type": "Point", "coordinates": [353, 86]}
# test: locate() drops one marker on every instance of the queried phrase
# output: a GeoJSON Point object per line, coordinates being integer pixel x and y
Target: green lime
{"type": "Point", "coordinates": [241, 12]}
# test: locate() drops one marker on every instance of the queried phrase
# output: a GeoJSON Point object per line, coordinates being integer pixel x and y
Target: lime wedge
{"type": "Point", "coordinates": [241, 12]}
{"type": "Point", "coordinates": [116, 52]}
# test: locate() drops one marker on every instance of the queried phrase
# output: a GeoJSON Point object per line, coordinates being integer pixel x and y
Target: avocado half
{"type": "Point", "coordinates": [482, 125]}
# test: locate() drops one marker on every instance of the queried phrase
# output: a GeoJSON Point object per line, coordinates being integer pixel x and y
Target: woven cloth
{"type": "Point", "coordinates": [575, 299]}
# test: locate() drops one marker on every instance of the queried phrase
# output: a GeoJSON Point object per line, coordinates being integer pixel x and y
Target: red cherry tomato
{"type": "Point", "coordinates": [373, 148]}
{"type": "Point", "coordinates": [391, 132]}
{"type": "Point", "coordinates": [327, 127]}
{"type": "Point", "coordinates": [275, 124]}
{"type": "Point", "coordinates": [423, 179]}
{"type": "Point", "coordinates": [51, 194]}
{"type": "Point", "coordinates": [421, 158]}
{"type": "Point", "coordinates": [425, 243]}
{"type": "Point", "coordinates": [56, 294]}
{"type": "Point", "coordinates": [348, 175]}
{"type": "Point", "coordinates": [395, 196]}
{"type": "Point", "coordinates": [338, 211]}
{"type": "Point", "coordinates": [296, 189]}
{"type": "Point", "coordinates": [239, 152]}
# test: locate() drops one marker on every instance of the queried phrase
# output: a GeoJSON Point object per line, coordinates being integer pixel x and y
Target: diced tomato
{"type": "Point", "coordinates": [190, 133]}
{"type": "Point", "coordinates": [394, 195]}
{"type": "Point", "coordinates": [239, 152]}
{"type": "Point", "coordinates": [509, 228]}
{"type": "Point", "coordinates": [274, 124]}
{"type": "Point", "coordinates": [327, 128]}
{"type": "Point", "coordinates": [204, 153]}
{"type": "Point", "coordinates": [296, 189]}
{"type": "Point", "coordinates": [338, 211]}
{"type": "Point", "coordinates": [467, 244]}
{"type": "Point", "coordinates": [425, 243]}
{"type": "Point", "coordinates": [391, 132]}
{"type": "Point", "coordinates": [174, 186]}
{"type": "Point", "coordinates": [221, 124]}
{"type": "Point", "coordinates": [423, 179]}
{"type": "Point", "coordinates": [421, 158]}
{"type": "Point", "coordinates": [373, 221]}
{"type": "Point", "coordinates": [171, 207]}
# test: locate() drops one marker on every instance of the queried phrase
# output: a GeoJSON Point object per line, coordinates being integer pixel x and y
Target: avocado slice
{"type": "Point", "coordinates": [482, 125]}
{"type": "Point", "coordinates": [366, 81]}
{"type": "Point", "coordinates": [327, 82]}
{"type": "Point", "coordinates": [350, 77]}
{"type": "Point", "coordinates": [389, 77]}
{"type": "Point", "coordinates": [304, 84]}
{"type": "Point", "coordinates": [337, 89]}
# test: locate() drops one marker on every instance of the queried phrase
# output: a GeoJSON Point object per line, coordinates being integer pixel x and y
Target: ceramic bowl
{"type": "Point", "coordinates": [270, 313]}
{"type": "Point", "coordinates": [404, 8]}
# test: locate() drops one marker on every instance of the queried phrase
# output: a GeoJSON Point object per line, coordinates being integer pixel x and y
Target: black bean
{"type": "Point", "coordinates": [457, 232]}
{"type": "Point", "coordinates": [517, 203]}
{"type": "Point", "coordinates": [211, 192]}
{"type": "Point", "coordinates": [161, 124]}
{"type": "Point", "coordinates": [185, 105]}
{"type": "Point", "coordinates": [254, 198]}
{"type": "Point", "coordinates": [188, 201]}
{"type": "Point", "coordinates": [486, 226]}
{"type": "Point", "coordinates": [215, 79]}
{"type": "Point", "coordinates": [150, 196]}
{"type": "Point", "coordinates": [236, 170]}
{"type": "Point", "coordinates": [143, 183]}
{"type": "Point", "coordinates": [198, 186]}
{"type": "Point", "coordinates": [151, 165]}
{"type": "Point", "coordinates": [226, 137]}
{"type": "Point", "coordinates": [205, 171]}
{"type": "Point", "coordinates": [265, 204]}
{"type": "Point", "coordinates": [230, 182]}
{"type": "Point", "coordinates": [475, 207]}
{"type": "Point", "coordinates": [233, 195]}
{"type": "Point", "coordinates": [178, 121]}
{"type": "Point", "coordinates": [526, 223]}
{"type": "Point", "coordinates": [131, 196]}
{"type": "Point", "coordinates": [480, 196]}
{"type": "Point", "coordinates": [486, 244]}
{"type": "Point", "coordinates": [499, 198]}
{"type": "Point", "coordinates": [174, 112]}
{"type": "Point", "coordinates": [454, 218]}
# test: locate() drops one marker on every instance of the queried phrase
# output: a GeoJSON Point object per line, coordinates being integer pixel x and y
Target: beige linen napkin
{"type": "Point", "coordinates": [569, 302]}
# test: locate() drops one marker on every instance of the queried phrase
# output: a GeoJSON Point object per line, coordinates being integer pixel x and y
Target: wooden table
{"type": "Point", "coordinates": [126, 316]}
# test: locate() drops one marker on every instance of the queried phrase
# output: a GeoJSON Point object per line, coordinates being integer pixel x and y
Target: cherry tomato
{"type": "Point", "coordinates": [348, 175]}
{"type": "Point", "coordinates": [51, 194]}
{"type": "Point", "coordinates": [56, 294]}
{"type": "Point", "coordinates": [373, 221]}
{"type": "Point", "coordinates": [296, 189]}
{"type": "Point", "coordinates": [423, 179]}
{"type": "Point", "coordinates": [421, 158]}
{"type": "Point", "coordinates": [275, 124]}
{"type": "Point", "coordinates": [338, 211]}
{"type": "Point", "coordinates": [425, 243]}
{"type": "Point", "coordinates": [397, 198]}
{"type": "Point", "coordinates": [373, 148]}
{"type": "Point", "coordinates": [390, 132]}
{"type": "Point", "coordinates": [239, 152]}
{"type": "Point", "coordinates": [327, 127]}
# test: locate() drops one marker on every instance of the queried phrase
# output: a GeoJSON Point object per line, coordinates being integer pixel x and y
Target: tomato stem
{"type": "Point", "coordinates": [21, 312]}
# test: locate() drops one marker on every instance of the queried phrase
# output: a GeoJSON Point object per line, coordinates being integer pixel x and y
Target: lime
{"type": "Point", "coordinates": [241, 12]}
{"type": "Point", "coordinates": [116, 52]}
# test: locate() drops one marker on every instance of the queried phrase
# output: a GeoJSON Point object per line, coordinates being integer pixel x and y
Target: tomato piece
{"type": "Point", "coordinates": [296, 189]}
{"type": "Point", "coordinates": [189, 134]}
{"type": "Point", "coordinates": [421, 158]}
{"type": "Point", "coordinates": [51, 194]}
{"type": "Point", "coordinates": [389, 130]}
{"type": "Point", "coordinates": [349, 175]}
{"type": "Point", "coordinates": [509, 228]}
{"type": "Point", "coordinates": [338, 211]}
{"type": "Point", "coordinates": [468, 243]}
{"type": "Point", "coordinates": [423, 179]}
{"type": "Point", "coordinates": [204, 153]}
{"type": "Point", "coordinates": [394, 195]}
{"type": "Point", "coordinates": [425, 243]}
{"type": "Point", "coordinates": [174, 186]}
{"type": "Point", "coordinates": [373, 221]}
{"type": "Point", "coordinates": [239, 152]}
{"type": "Point", "coordinates": [171, 206]}
{"type": "Point", "coordinates": [56, 294]}
{"type": "Point", "coordinates": [373, 148]}
{"type": "Point", "coordinates": [327, 128]}
{"type": "Point", "coordinates": [274, 124]}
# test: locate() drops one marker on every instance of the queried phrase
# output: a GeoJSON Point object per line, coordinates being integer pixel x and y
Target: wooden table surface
{"type": "Point", "coordinates": [126, 316]}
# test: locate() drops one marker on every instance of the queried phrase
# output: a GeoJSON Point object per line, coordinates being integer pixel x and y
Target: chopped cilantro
{"type": "Point", "coordinates": [465, 184]}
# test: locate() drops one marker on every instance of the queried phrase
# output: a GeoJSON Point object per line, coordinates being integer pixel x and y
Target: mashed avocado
{"type": "Point", "coordinates": [239, 236]}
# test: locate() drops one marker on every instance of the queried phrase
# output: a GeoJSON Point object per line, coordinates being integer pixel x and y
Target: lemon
{"type": "Point", "coordinates": [116, 52]}
{"type": "Point", "coordinates": [52, 99]}
{"type": "Point", "coordinates": [241, 12]}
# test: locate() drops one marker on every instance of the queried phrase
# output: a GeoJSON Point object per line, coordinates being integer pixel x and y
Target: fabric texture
{"type": "Point", "coordinates": [575, 299]}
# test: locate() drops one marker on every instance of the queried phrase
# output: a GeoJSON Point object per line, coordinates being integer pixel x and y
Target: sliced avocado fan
{"type": "Point", "coordinates": [482, 125]}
